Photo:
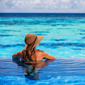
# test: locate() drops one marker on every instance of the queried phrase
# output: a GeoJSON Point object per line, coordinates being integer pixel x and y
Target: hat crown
{"type": "Point", "coordinates": [29, 38]}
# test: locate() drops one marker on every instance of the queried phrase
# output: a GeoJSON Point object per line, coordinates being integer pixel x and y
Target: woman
{"type": "Point", "coordinates": [30, 53]}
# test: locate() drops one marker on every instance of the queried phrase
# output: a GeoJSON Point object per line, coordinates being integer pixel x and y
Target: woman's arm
{"type": "Point", "coordinates": [45, 55]}
{"type": "Point", "coordinates": [17, 55]}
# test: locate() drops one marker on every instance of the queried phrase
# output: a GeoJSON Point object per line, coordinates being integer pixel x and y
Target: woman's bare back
{"type": "Point", "coordinates": [37, 56]}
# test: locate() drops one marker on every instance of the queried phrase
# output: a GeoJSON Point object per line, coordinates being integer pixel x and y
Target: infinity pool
{"type": "Point", "coordinates": [60, 71]}
{"type": "Point", "coordinates": [64, 38]}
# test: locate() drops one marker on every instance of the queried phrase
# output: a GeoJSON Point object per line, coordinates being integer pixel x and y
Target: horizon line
{"type": "Point", "coordinates": [44, 12]}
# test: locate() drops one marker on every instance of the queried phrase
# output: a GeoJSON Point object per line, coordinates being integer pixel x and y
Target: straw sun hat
{"type": "Point", "coordinates": [31, 38]}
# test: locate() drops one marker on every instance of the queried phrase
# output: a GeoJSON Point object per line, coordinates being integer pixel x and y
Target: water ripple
{"type": "Point", "coordinates": [83, 38]}
{"type": "Point", "coordinates": [5, 46]}
{"type": "Point", "coordinates": [63, 44]}
{"type": "Point", "coordinates": [2, 31]}
{"type": "Point", "coordinates": [81, 33]}
{"type": "Point", "coordinates": [2, 35]}
{"type": "Point", "coordinates": [59, 39]}
{"type": "Point", "coordinates": [50, 45]}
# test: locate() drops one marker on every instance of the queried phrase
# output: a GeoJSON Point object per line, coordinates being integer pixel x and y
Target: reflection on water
{"type": "Point", "coordinates": [59, 71]}
{"type": "Point", "coordinates": [32, 67]}
{"type": "Point", "coordinates": [43, 70]}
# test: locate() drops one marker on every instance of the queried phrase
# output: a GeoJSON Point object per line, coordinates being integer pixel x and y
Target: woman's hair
{"type": "Point", "coordinates": [26, 54]}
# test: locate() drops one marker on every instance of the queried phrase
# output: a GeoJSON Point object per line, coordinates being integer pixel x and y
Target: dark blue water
{"type": "Point", "coordinates": [56, 72]}
{"type": "Point", "coordinates": [42, 14]}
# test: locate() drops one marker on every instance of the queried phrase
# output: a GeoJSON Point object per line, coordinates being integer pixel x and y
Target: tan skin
{"type": "Point", "coordinates": [38, 55]}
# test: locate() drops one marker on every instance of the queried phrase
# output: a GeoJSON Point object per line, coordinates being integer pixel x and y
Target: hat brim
{"type": "Point", "coordinates": [39, 38]}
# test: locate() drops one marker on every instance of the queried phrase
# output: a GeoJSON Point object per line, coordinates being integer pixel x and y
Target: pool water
{"type": "Point", "coordinates": [66, 71]}
{"type": "Point", "coordinates": [64, 38]}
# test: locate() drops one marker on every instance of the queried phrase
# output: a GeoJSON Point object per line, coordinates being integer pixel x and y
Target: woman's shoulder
{"type": "Point", "coordinates": [17, 55]}
{"type": "Point", "coordinates": [40, 51]}
{"type": "Point", "coordinates": [45, 55]}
